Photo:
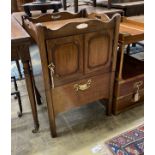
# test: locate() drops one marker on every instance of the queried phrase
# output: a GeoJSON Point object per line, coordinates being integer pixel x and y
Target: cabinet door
{"type": "Point", "coordinates": [67, 57]}
{"type": "Point", "coordinates": [98, 51]}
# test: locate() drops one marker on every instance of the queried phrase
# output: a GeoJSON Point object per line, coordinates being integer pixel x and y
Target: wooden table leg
{"type": "Point", "coordinates": [121, 50]}
{"type": "Point", "coordinates": [30, 89]}
{"type": "Point", "coordinates": [64, 5]}
{"type": "Point", "coordinates": [27, 11]}
{"type": "Point", "coordinates": [109, 4]}
{"type": "Point", "coordinates": [94, 3]}
{"type": "Point", "coordinates": [18, 67]}
{"type": "Point", "coordinates": [76, 6]}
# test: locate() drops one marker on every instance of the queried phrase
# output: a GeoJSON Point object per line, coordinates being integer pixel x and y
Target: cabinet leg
{"type": "Point", "coordinates": [52, 126]}
{"type": "Point", "coordinates": [109, 108]}
{"type": "Point", "coordinates": [38, 97]}
{"type": "Point", "coordinates": [30, 88]}
{"type": "Point", "coordinates": [109, 105]}
{"type": "Point", "coordinates": [51, 113]}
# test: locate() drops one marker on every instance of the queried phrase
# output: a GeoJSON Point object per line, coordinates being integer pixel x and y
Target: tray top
{"type": "Point", "coordinates": [55, 25]}
{"type": "Point", "coordinates": [47, 3]}
{"type": "Point", "coordinates": [131, 27]}
{"type": "Point", "coordinates": [17, 31]}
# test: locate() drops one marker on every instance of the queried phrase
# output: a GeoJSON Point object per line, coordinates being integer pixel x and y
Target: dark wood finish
{"type": "Point", "coordinates": [64, 4]}
{"type": "Point", "coordinates": [129, 83]}
{"type": "Point", "coordinates": [76, 8]}
{"type": "Point", "coordinates": [67, 47]}
{"type": "Point", "coordinates": [127, 102]}
{"type": "Point", "coordinates": [14, 7]}
{"type": "Point", "coordinates": [20, 42]}
{"type": "Point", "coordinates": [94, 3]}
{"type": "Point", "coordinates": [21, 2]}
{"type": "Point", "coordinates": [55, 5]}
{"type": "Point", "coordinates": [130, 7]}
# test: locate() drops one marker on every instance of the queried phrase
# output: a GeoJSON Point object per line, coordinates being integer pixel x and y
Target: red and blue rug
{"type": "Point", "coordinates": [128, 143]}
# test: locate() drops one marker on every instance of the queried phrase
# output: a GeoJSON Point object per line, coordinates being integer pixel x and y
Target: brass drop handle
{"type": "Point", "coordinates": [51, 66]}
{"type": "Point", "coordinates": [136, 96]}
{"type": "Point", "coordinates": [138, 84]}
{"type": "Point", "coordinates": [83, 87]}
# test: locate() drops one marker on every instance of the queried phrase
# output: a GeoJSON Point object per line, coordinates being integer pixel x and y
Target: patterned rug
{"type": "Point", "coordinates": [128, 143]}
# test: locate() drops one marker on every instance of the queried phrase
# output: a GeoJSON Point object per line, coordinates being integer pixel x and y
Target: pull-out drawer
{"type": "Point", "coordinates": [80, 92]}
{"type": "Point", "coordinates": [126, 87]}
{"type": "Point", "coordinates": [123, 103]}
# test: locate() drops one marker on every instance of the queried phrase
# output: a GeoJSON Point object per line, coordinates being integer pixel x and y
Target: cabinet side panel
{"type": "Point", "coordinates": [37, 70]}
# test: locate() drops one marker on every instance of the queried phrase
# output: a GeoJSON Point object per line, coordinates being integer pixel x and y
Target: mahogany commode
{"type": "Point", "coordinates": [130, 7]}
{"type": "Point", "coordinates": [78, 59]}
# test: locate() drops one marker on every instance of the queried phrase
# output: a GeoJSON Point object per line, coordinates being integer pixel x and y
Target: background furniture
{"type": "Point", "coordinates": [129, 83]}
{"type": "Point", "coordinates": [17, 93]}
{"type": "Point", "coordinates": [55, 5]}
{"type": "Point", "coordinates": [130, 7]}
{"type": "Point", "coordinates": [14, 8]}
{"type": "Point", "coordinates": [76, 5]}
{"type": "Point", "coordinates": [21, 2]}
{"type": "Point", "coordinates": [20, 42]}
{"type": "Point", "coordinates": [78, 59]}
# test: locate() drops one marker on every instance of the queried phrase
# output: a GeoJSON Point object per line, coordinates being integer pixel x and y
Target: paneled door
{"type": "Point", "coordinates": [98, 50]}
{"type": "Point", "coordinates": [66, 54]}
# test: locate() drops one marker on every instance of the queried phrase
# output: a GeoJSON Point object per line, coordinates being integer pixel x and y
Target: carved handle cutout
{"type": "Point", "coordinates": [56, 16]}
{"type": "Point", "coordinates": [83, 87]}
{"type": "Point", "coordinates": [82, 26]}
{"type": "Point", "coordinates": [98, 17]}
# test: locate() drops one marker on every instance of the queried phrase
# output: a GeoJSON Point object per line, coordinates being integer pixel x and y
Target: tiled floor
{"type": "Point", "coordinates": [79, 130]}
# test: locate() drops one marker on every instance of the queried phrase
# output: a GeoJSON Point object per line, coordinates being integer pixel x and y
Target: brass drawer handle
{"type": "Point", "coordinates": [136, 96]}
{"type": "Point", "coordinates": [51, 66]}
{"type": "Point", "coordinates": [138, 84]}
{"type": "Point", "coordinates": [83, 87]}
